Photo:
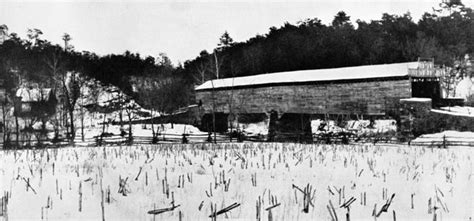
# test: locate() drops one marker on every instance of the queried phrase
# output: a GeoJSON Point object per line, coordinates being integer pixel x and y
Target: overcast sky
{"type": "Point", "coordinates": [181, 29]}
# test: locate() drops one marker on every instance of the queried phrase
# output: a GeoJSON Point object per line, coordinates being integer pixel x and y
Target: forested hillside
{"type": "Point", "coordinates": [444, 34]}
{"type": "Point", "coordinates": [37, 60]}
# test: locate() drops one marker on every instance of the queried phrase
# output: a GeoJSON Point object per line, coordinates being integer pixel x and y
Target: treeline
{"type": "Point", "coordinates": [37, 60]}
{"type": "Point", "coordinates": [445, 35]}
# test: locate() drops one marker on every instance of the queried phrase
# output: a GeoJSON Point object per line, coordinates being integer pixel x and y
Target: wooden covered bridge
{"type": "Point", "coordinates": [289, 100]}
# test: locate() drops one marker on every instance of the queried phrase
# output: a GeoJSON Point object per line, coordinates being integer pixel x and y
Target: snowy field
{"type": "Point", "coordinates": [249, 181]}
{"type": "Point", "coordinates": [449, 138]}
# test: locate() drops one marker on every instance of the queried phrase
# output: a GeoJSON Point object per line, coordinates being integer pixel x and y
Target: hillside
{"type": "Point", "coordinates": [443, 35]}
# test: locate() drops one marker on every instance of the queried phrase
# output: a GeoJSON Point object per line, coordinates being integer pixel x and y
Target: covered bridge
{"type": "Point", "coordinates": [292, 99]}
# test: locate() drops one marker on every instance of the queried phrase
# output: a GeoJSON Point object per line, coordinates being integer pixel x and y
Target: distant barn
{"type": "Point", "coordinates": [35, 102]}
{"type": "Point", "coordinates": [295, 97]}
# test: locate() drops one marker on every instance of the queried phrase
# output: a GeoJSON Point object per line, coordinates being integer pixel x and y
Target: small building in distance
{"type": "Point", "coordinates": [291, 99]}
{"type": "Point", "coordinates": [35, 102]}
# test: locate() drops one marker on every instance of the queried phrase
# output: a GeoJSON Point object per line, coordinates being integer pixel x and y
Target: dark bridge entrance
{"type": "Point", "coordinates": [426, 88]}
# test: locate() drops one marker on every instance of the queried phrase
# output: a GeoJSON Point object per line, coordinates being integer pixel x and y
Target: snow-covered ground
{"type": "Point", "coordinates": [464, 88]}
{"type": "Point", "coordinates": [449, 137]}
{"type": "Point", "coordinates": [144, 130]}
{"type": "Point", "coordinates": [254, 129]}
{"type": "Point", "coordinates": [73, 183]}
{"type": "Point", "coordinates": [359, 126]}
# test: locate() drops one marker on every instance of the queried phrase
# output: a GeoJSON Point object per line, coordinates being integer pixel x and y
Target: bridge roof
{"type": "Point", "coordinates": [317, 75]}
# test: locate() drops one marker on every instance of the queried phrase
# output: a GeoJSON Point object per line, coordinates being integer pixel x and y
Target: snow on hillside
{"type": "Point", "coordinates": [103, 96]}
{"type": "Point", "coordinates": [93, 121]}
{"type": "Point", "coordinates": [464, 88]}
{"type": "Point", "coordinates": [89, 110]}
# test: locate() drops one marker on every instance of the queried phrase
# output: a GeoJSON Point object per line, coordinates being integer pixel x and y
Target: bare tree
{"type": "Point", "coordinates": [81, 84]}
{"type": "Point", "coordinates": [94, 92]}
{"type": "Point", "coordinates": [6, 120]}
{"type": "Point", "coordinates": [462, 69]}
{"type": "Point", "coordinates": [69, 87]}
{"type": "Point", "coordinates": [131, 109]}
{"type": "Point", "coordinates": [148, 97]}
{"type": "Point", "coordinates": [3, 33]}
{"type": "Point", "coordinates": [201, 69]}
{"type": "Point", "coordinates": [225, 41]}
{"type": "Point", "coordinates": [66, 38]}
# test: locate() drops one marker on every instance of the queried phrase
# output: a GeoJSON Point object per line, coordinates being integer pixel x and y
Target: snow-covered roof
{"type": "Point", "coordinates": [333, 74]}
{"type": "Point", "coordinates": [456, 111]}
{"type": "Point", "coordinates": [33, 94]}
{"type": "Point", "coordinates": [416, 99]}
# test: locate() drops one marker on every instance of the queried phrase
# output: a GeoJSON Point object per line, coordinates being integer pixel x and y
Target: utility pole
{"type": "Point", "coordinates": [217, 63]}
{"type": "Point", "coordinates": [214, 111]}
